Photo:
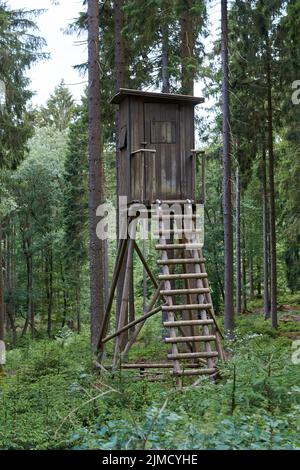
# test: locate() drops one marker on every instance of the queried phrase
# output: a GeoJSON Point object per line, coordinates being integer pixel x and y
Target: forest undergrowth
{"type": "Point", "coordinates": [52, 397]}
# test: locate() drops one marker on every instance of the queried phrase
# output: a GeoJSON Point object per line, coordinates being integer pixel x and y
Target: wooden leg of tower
{"type": "Point", "coordinates": [136, 332]}
{"type": "Point", "coordinates": [171, 316]}
{"type": "Point", "coordinates": [124, 302]}
{"type": "Point", "coordinates": [120, 258]}
{"type": "Point", "coordinates": [145, 264]}
{"type": "Point", "coordinates": [209, 300]}
{"type": "Point", "coordinates": [192, 315]}
{"type": "Point", "coordinates": [131, 294]}
{"type": "Point", "coordinates": [203, 313]}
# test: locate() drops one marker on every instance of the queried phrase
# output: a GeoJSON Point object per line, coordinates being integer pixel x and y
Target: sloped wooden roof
{"type": "Point", "coordinates": [149, 95]}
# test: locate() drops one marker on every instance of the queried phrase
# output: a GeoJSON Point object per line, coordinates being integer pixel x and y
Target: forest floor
{"type": "Point", "coordinates": [52, 398]}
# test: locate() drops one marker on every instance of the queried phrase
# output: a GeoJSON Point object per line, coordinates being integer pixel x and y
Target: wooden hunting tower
{"type": "Point", "coordinates": [158, 168]}
{"type": "Point", "coordinates": [155, 142]}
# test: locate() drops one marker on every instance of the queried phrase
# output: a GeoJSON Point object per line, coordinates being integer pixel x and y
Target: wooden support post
{"type": "Point", "coordinates": [125, 298]}
{"type": "Point", "coordinates": [192, 314]}
{"type": "Point", "coordinates": [209, 299]}
{"type": "Point", "coordinates": [120, 257]}
{"type": "Point", "coordinates": [145, 264]}
{"type": "Point", "coordinates": [169, 300]}
{"type": "Point", "coordinates": [203, 188]}
{"type": "Point", "coordinates": [144, 317]}
{"type": "Point", "coordinates": [144, 277]}
{"type": "Point", "coordinates": [131, 294]}
{"type": "Point", "coordinates": [154, 299]}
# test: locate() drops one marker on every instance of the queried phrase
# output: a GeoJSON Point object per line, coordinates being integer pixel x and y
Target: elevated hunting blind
{"type": "Point", "coordinates": [158, 164]}
{"type": "Point", "coordinates": [156, 142]}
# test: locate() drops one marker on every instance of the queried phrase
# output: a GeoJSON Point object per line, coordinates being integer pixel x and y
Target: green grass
{"type": "Point", "coordinates": [51, 398]}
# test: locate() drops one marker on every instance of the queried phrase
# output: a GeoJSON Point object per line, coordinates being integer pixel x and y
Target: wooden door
{"type": "Point", "coordinates": [162, 133]}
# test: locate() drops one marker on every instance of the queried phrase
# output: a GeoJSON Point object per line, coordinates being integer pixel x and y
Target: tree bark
{"type": "Point", "coordinates": [273, 254]}
{"type": "Point", "coordinates": [215, 257]}
{"type": "Point", "coordinates": [9, 255]}
{"type": "Point", "coordinates": [187, 51]}
{"type": "Point", "coordinates": [258, 270]}
{"type": "Point", "coordinates": [27, 250]}
{"type": "Point", "coordinates": [49, 289]}
{"type": "Point", "coordinates": [119, 45]}
{"type": "Point", "coordinates": [265, 236]}
{"type": "Point", "coordinates": [165, 59]}
{"type": "Point", "coordinates": [244, 276]}
{"type": "Point", "coordinates": [227, 204]}
{"type": "Point", "coordinates": [65, 295]}
{"type": "Point", "coordinates": [2, 312]}
{"type": "Point", "coordinates": [251, 276]}
{"type": "Point", "coordinates": [144, 277]}
{"type": "Point", "coordinates": [106, 279]}
{"type": "Point", "coordinates": [96, 176]}
{"type": "Point", "coordinates": [238, 243]}
{"type": "Point", "coordinates": [78, 310]}
{"type": "Point", "coordinates": [119, 78]}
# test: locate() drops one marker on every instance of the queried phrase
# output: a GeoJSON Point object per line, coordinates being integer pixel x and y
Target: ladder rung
{"type": "Point", "coordinates": [178, 231]}
{"type": "Point", "coordinates": [147, 366]}
{"type": "Point", "coordinates": [179, 246]}
{"type": "Point", "coordinates": [174, 216]}
{"type": "Point", "coordinates": [181, 261]}
{"type": "Point", "coordinates": [202, 290]}
{"type": "Point", "coordinates": [188, 322]}
{"type": "Point", "coordinates": [190, 339]}
{"type": "Point", "coordinates": [175, 201]}
{"type": "Point", "coordinates": [163, 277]}
{"type": "Point", "coordinates": [193, 355]}
{"type": "Point", "coordinates": [196, 372]}
{"type": "Point", "coordinates": [173, 308]}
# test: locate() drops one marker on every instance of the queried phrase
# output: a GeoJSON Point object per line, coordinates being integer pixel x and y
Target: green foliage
{"type": "Point", "coordinates": [169, 430]}
{"type": "Point", "coordinates": [52, 399]}
{"type": "Point", "coordinates": [59, 110]}
{"type": "Point", "coordinates": [20, 48]}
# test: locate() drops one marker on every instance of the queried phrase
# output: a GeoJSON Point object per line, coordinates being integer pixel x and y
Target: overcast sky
{"type": "Point", "coordinates": [62, 48]}
{"type": "Point", "coordinates": [64, 52]}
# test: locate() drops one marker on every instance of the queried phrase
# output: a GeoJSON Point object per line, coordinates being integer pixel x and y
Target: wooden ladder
{"type": "Point", "coordinates": [192, 324]}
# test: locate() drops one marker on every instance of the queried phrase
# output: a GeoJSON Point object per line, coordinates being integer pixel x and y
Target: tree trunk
{"type": "Point", "coordinates": [165, 59]}
{"type": "Point", "coordinates": [244, 276]}
{"type": "Point", "coordinates": [215, 257]}
{"type": "Point", "coordinates": [49, 264]}
{"type": "Point", "coordinates": [119, 78]}
{"type": "Point", "coordinates": [273, 262]}
{"type": "Point", "coordinates": [10, 311]}
{"type": "Point", "coordinates": [144, 277]}
{"type": "Point", "coordinates": [2, 313]}
{"type": "Point", "coordinates": [96, 176]}
{"type": "Point", "coordinates": [119, 45]}
{"type": "Point", "coordinates": [27, 250]}
{"type": "Point", "coordinates": [258, 286]}
{"type": "Point", "coordinates": [30, 291]}
{"type": "Point", "coordinates": [251, 276]}
{"type": "Point", "coordinates": [265, 236]}
{"type": "Point", "coordinates": [78, 310]}
{"type": "Point", "coordinates": [187, 51]}
{"type": "Point", "coordinates": [106, 279]}
{"type": "Point", "coordinates": [227, 205]}
{"type": "Point", "coordinates": [65, 295]}
{"type": "Point", "coordinates": [238, 242]}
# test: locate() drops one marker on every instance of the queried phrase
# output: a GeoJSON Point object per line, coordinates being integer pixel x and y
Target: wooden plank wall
{"type": "Point", "coordinates": [168, 128]}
